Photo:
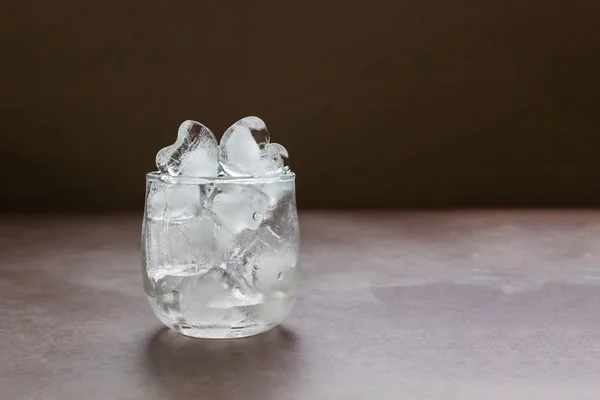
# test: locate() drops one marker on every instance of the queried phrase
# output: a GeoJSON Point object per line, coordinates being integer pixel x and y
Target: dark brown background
{"type": "Point", "coordinates": [412, 103]}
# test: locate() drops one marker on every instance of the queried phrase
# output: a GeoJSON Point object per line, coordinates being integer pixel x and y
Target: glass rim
{"type": "Point", "coordinates": [192, 180]}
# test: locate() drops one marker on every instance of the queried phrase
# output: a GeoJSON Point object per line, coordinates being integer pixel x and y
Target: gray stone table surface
{"type": "Point", "coordinates": [394, 305]}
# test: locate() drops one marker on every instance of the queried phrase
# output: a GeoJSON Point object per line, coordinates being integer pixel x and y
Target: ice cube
{"type": "Point", "coordinates": [212, 287]}
{"type": "Point", "coordinates": [276, 190]}
{"type": "Point", "coordinates": [182, 291]}
{"type": "Point", "coordinates": [281, 217]}
{"type": "Point", "coordinates": [266, 244]}
{"type": "Point", "coordinates": [187, 243]}
{"type": "Point", "coordinates": [261, 258]}
{"type": "Point", "coordinates": [167, 284]}
{"type": "Point", "coordinates": [277, 272]}
{"type": "Point", "coordinates": [172, 202]}
{"type": "Point", "coordinates": [245, 150]}
{"type": "Point", "coordinates": [206, 287]}
{"type": "Point", "coordinates": [193, 242]}
{"type": "Point", "coordinates": [241, 255]}
{"type": "Point", "coordinates": [195, 153]}
{"type": "Point", "coordinates": [237, 206]}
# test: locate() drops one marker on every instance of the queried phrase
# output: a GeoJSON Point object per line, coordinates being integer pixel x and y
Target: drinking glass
{"type": "Point", "coordinates": [220, 255]}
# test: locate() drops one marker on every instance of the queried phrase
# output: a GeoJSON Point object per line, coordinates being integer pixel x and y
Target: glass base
{"type": "Point", "coordinates": [222, 332]}
{"type": "Point", "coordinates": [225, 323]}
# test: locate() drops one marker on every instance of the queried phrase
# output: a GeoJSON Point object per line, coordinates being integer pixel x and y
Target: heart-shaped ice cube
{"type": "Point", "coordinates": [194, 153]}
{"type": "Point", "coordinates": [245, 150]}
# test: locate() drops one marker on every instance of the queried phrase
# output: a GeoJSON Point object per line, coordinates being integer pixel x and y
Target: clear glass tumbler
{"type": "Point", "coordinates": [220, 255]}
